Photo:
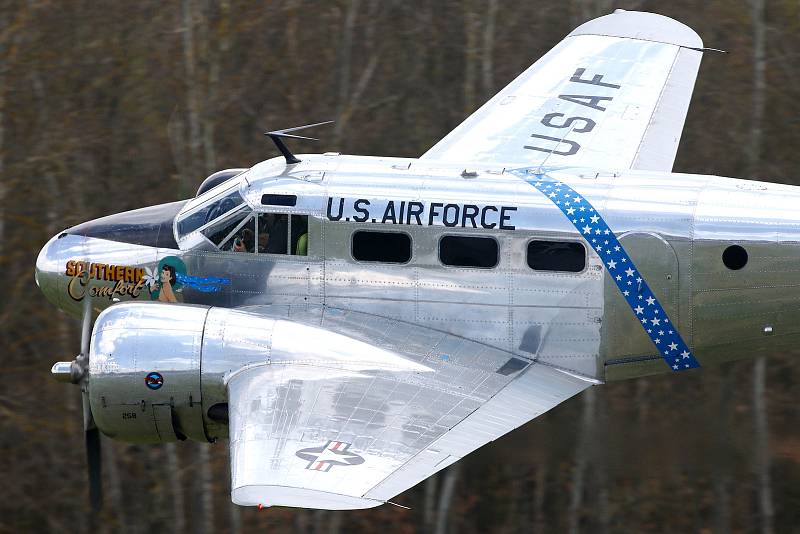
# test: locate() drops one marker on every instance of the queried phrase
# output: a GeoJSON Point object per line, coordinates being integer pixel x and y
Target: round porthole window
{"type": "Point", "coordinates": [734, 257]}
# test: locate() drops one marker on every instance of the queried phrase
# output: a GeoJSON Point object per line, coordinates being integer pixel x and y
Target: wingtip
{"type": "Point", "coordinates": [643, 26]}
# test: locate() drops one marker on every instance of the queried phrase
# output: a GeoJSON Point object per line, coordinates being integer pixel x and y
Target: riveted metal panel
{"type": "Point", "coordinates": [623, 335]}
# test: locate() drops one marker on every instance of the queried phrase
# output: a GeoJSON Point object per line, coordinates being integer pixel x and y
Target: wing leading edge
{"type": "Point", "coordinates": [612, 95]}
{"type": "Point", "coordinates": [364, 408]}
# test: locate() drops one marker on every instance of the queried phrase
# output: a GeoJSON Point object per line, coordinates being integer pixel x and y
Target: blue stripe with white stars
{"type": "Point", "coordinates": [620, 267]}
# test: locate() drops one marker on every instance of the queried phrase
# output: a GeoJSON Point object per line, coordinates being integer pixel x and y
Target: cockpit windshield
{"type": "Point", "coordinates": [214, 209]}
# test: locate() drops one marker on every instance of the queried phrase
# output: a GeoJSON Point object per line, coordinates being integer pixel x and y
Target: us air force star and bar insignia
{"type": "Point", "coordinates": [620, 267]}
{"type": "Point", "coordinates": [324, 457]}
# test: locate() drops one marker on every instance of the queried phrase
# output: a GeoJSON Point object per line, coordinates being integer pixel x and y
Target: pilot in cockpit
{"type": "Point", "coordinates": [244, 242]}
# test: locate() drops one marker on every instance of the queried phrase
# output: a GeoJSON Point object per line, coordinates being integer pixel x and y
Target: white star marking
{"type": "Point", "coordinates": [612, 264]}
{"type": "Point", "coordinates": [587, 229]}
{"type": "Point", "coordinates": [638, 310]}
{"type": "Point", "coordinates": [650, 301]}
{"type": "Point", "coordinates": [629, 271]}
{"type": "Point", "coordinates": [673, 346]}
{"type": "Point", "coordinates": [594, 218]}
{"type": "Point", "coordinates": [328, 455]}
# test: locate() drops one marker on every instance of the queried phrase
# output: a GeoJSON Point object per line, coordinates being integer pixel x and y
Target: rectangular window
{"type": "Point", "coordinates": [279, 200]}
{"type": "Point", "coordinates": [264, 233]}
{"type": "Point", "coordinates": [385, 247]}
{"type": "Point", "coordinates": [468, 251]}
{"type": "Point", "coordinates": [279, 233]}
{"type": "Point", "coordinates": [567, 256]}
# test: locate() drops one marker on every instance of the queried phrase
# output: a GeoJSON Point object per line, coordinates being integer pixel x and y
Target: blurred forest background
{"type": "Point", "coordinates": [107, 106]}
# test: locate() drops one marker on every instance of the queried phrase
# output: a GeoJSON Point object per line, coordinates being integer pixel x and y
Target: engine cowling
{"type": "Point", "coordinates": [144, 372]}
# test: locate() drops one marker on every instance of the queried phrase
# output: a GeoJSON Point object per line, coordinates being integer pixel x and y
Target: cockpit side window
{"type": "Point", "coordinates": [207, 213]}
{"type": "Point", "coordinates": [268, 233]}
{"type": "Point", "coordinates": [261, 233]}
{"type": "Point", "coordinates": [224, 232]}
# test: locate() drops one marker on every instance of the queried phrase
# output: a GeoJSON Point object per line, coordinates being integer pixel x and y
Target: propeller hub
{"type": "Point", "coordinates": [62, 371]}
{"type": "Point", "coordinates": [68, 372]}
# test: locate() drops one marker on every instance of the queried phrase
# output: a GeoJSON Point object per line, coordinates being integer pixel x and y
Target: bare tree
{"type": "Point", "coordinates": [429, 503]}
{"type": "Point", "coordinates": [205, 487]}
{"type": "Point", "coordinates": [763, 462]}
{"type": "Point", "coordinates": [446, 498]}
{"type": "Point", "coordinates": [350, 99]}
{"type": "Point", "coordinates": [176, 488]}
{"type": "Point", "coordinates": [582, 452]}
{"type": "Point", "coordinates": [195, 139]}
{"type": "Point", "coordinates": [487, 55]}
{"type": "Point", "coordinates": [722, 436]}
{"type": "Point", "coordinates": [472, 55]}
{"type": "Point", "coordinates": [4, 16]}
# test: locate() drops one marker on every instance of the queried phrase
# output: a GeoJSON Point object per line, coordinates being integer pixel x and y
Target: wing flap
{"type": "Point", "coordinates": [536, 391]}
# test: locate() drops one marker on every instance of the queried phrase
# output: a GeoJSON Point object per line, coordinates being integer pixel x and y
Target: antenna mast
{"type": "Point", "coordinates": [277, 136]}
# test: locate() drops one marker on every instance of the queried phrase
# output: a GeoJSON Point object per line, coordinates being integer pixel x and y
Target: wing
{"type": "Point", "coordinates": [349, 409]}
{"type": "Point", "coordinates": [612, 95]}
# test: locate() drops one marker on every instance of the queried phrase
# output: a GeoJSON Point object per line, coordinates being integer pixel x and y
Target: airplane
{"type": "Point", "coordinates": [353, 325]}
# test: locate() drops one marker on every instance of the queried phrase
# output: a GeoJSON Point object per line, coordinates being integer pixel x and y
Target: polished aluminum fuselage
{"type": "Point", "coordinates": [674, 226]}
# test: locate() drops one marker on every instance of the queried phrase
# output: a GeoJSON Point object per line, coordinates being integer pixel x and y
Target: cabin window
{"type": "Point", "coordinates": [734, 257]}
{"type": "Point", "coordinates": [263, 233]}
{"type": "Point", "coordinates": [279, 200]}
{"type": "Point", "coordinates": [385, 247]}
{"type": "Point", "coordinates": [567, 256]}
{"type": "Point", "coordinates": [468, 251]}
{"type": "Point", "coordinates": [281, 233]}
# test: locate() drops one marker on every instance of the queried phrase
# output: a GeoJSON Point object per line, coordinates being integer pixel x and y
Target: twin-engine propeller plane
{"type": "Point", "coordinates": [355, 324]}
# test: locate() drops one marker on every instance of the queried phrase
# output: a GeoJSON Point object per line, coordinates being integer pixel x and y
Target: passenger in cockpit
{"type": "Point", "coordinates": [274, 230]}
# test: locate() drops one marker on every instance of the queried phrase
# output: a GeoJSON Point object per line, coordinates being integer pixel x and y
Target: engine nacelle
{"type": "Point", "coordinates": [144, 372]}
{"type": "Point", "coordinates": [157, 370]}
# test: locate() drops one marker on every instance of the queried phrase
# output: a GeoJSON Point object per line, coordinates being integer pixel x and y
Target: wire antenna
{"type": "Point", "coordinates": [277, 135]}
{"type": "Point", "coordinates": [539, 170]}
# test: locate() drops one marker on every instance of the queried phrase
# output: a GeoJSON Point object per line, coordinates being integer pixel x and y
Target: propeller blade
{"type": "Point", "coordinates": [88, 418]}
{"type": "Point", "coordinates": [86, 323]}
{"type": "Point", "coordinates": [93, 460]}
{"type": "Point", "coordinates": [91, 432]}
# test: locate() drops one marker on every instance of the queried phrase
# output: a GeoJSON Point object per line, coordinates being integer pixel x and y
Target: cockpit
{"type": "Point", "coordinates": [259, 211]}
{"type": "Point", "coordinates": [223, 219]}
